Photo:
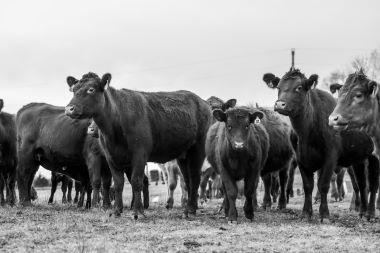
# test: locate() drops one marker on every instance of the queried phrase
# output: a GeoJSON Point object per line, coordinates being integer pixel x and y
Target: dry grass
{"type": "Point", "coordinates": [62, 228]}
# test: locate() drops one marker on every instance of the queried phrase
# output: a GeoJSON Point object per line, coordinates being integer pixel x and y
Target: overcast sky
{"type": "Point", "coordinates": [217, 48]}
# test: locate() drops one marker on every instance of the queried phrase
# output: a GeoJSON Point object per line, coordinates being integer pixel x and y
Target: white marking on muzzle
{"type": "Point", "coordinates": [239, 144]}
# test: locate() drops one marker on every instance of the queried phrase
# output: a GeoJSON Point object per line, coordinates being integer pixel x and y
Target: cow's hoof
{"type": "Point", "coordinates": [232, 222]}
{"type": "Point", "coordinates": [306, 216]}
{"type": "Point", "coordinates": [325, 220]}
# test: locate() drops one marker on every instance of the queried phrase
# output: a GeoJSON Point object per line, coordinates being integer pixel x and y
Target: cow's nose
{"type": "Point", "coordinates": [239, 145]}
{"type": "Point", "coordinates": [334, 119]}
{"type": "Point", "coordinates": [280, 104]}
{"type": "Point", "coordinates": [69, 109]}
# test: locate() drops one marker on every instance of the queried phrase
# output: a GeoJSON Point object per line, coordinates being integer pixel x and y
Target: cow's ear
{"type": "Point", "coordinates": [373, 88]}
{"type": "Point", "coordinates": [106, 79]}
{"type": "Point", "coordinates": [335, 87]}
{"type": "Point", "coordinates": [71, 81]}
{"type": "Point", "coordinates": [229, 104]}
{"type": "Point", "coordinates": [219, 115]}
{"type": "Point", "coordinates": [271, 80]}
{"type": "Point", "coordinates": [256, 117]}
{"type": "Point", "coordinates": [1, 104]}
{"type": "Point", "coordinates": [311, 82]}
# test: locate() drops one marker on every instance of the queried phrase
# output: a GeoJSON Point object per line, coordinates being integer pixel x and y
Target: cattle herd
{"type": "Point", "coordinates": [104, 133]}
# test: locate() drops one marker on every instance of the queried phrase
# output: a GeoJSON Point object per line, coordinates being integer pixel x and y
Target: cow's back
{"type": "Point", "coordinates": [45, 127]}
{"type": "Point", "coordinates": [172, 121]}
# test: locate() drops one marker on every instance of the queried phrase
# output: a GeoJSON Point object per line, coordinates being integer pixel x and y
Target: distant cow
{"type": "Point", "coordinates": [238, 146]}
{"type": "Point", "coordinates": [101, 175]}
{"type": "Point", "coordinates": [137, 127]}
{"type": "Point", "coordinates": [48, 138]}
{"type": "Point", "coordinates": [358, 107]}
{"type": "Point", "coordinates": [8, 156]}
{"type": "Point", "coordinates": [172, 174]}
{"type": "Point", "coordinates": [66, 186]}
{"type": "Point", "coordinates": [319, 146]}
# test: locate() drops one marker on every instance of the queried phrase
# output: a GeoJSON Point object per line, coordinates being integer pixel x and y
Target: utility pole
{"type": "Point", "coordinates": [293, 52]}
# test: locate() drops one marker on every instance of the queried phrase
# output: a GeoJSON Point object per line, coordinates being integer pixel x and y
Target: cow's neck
{"type": "Point", "coordinates": [108, 117]}
{"type": "Point", "coordinates": [303, 122]}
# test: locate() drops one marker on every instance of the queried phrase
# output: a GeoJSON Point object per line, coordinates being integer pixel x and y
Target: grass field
{"type": "Point", "coordinates": [64, 228]}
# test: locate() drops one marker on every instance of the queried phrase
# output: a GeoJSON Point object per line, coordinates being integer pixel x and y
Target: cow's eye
{"type": "Point", "coordinates": [359, 97]}
{"type": "Point", "coordinates": [229, 127]}
{"type": "Point", "coordinates": [90, 90]}
{"type": "Point", "coordinates": [299, 88]}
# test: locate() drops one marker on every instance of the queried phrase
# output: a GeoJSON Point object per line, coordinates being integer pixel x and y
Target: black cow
{"type": "Point", "coordinates": [319, 146]}
{"type": "Point", "coordinates": [280, 156]}
{"type": "Point", "coordinates": [48, 138]}
{"type": "Point", "coordinates": [208, 172]}
{"type": "Point", "coordinates": [8, 156]}
{"type": "Point", "coordinates": [66, 187]}
{"type": "Point", "coordinates": [137, 127]}
{"type": "Point", "coordinates": [238, 147]}
{"type": "Point", "coordinates": [102, 174]}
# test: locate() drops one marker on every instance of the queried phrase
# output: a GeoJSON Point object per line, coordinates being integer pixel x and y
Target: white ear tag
{"type": "Point", "coordinates": [257, 121]}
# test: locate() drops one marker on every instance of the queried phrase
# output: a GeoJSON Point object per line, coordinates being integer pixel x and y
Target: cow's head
{"type": "Point", "coordinates": [293, 89]}
{"type": "Point", "coordinates": [88, 97]}
{"type": "Point", "coordinates": [93, 129]}
{"type": "Point", "coordinates": [237, 124]}
{"type": "Point", "coordinates": [217, 103]}
{"type": "Point", "coordinates": [357, 105]}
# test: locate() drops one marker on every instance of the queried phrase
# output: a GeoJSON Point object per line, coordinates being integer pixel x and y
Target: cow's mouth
{"type": "Point", "coordinates": [285, 112]}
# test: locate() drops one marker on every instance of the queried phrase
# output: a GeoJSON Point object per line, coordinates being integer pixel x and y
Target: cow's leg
{"type": "Point", "coordinates": [81, 195]}
{"type": "Point", "coordinates": [378, 200]}
{"type": "Point", "coordinates": [250, 186]}
{"type": "Point", "coordinates": [106, 185]}
{"type": "Point", "coordinates": [69, 190]}
{"type": "Point", "coordinates": [26, 169]}
{"type": "Point", "coordinates": [283, 175]}
{"type": "Point", "coordinates": [308, 185]}
{"type": "Point", "coordinates": [54, 183]}
{"type": "Point", "coordinates": [355, 199]}
{"type": "Point", "coordinates": [11, 182]}
{"type": "Point", "coordinates": [128, 173]}
{"type": "Point", "coordinates": [230, 196]}
{"type": "Point", "coordinates": [373, 180]}
{"type": "Point", "coordinates": [275, 187]}
{"type": "Point", "coordinates": [64, 189]}
{"type": "Point", "coordinates": [324, 185]}
{"type": "Point", "coordinates": [361, 179]}
{"type": "Point", "coordinates": [138, 165]}
{"type": "Point", "coordinates": [317, 197]}
{"type": "Point", "coordinates": [2, 188]}
{"type": "Point", "coordinates": [172, 184]}
{"type": "Point", "coordinates": [191, 170]}
{"type": "Point", "coordinates": [289, 188]}
{"type": "Point", "coordinates": [78, 187]}
{"type": "Point", "coordinates": [203, 184]}
{"type": "Point", "coordinates": [94, 166]}
{"type": "Point", "coordinates": [146, 192]}
{"type": "Point", "coordinates": [334, 189]}
{"type": "Point", "coordinates": [267, 201]}
{"type": "Point", "coordinates": [340, 182]}
{"type": "Point", "coordinates": [118, 180]}
{"type": "Point", "coordinates": [88, 190]}
{"type": "Point", "coordinates": [183, 190]}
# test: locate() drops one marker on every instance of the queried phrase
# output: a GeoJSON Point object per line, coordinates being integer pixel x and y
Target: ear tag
{"type": "Point", "coordinates": [71, 88]}
{"type": "Point", "coordinates": [107, 84]}
{"type": "Point", "coordinates": [257, 121]}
